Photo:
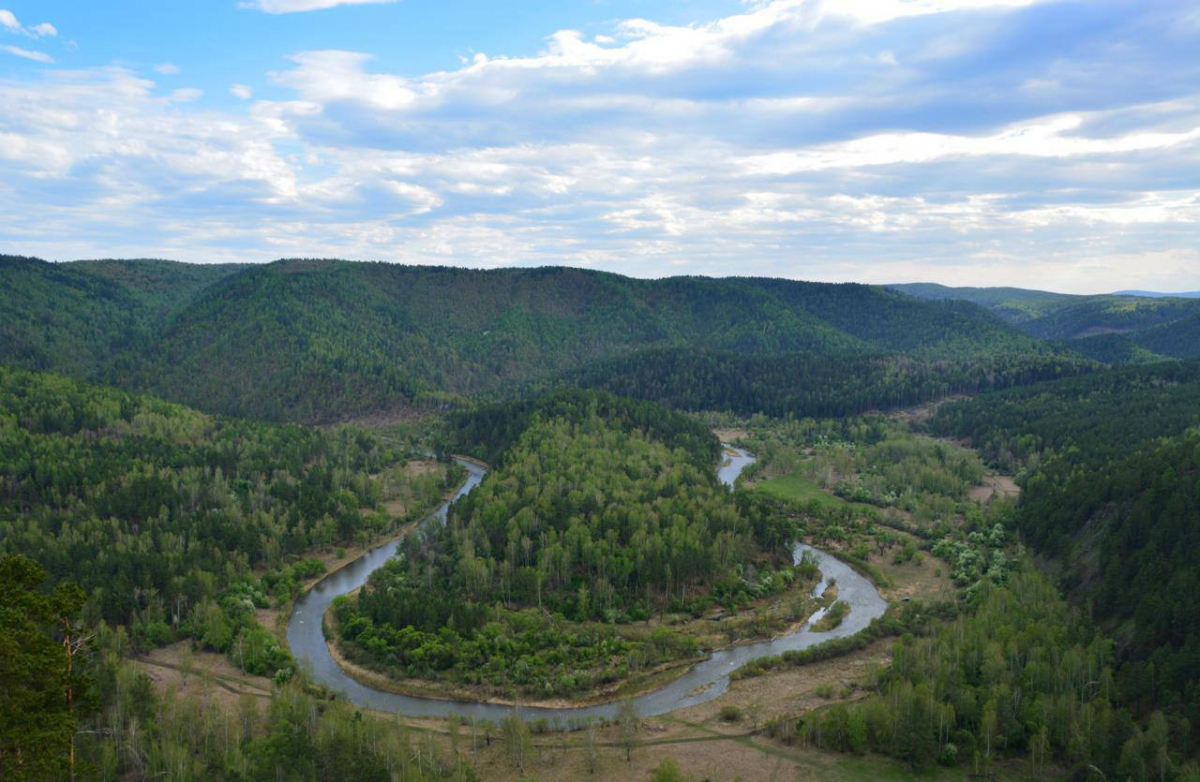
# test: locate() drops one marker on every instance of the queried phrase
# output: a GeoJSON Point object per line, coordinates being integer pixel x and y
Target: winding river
{"type": "Point", "coordinates": [703, 682]}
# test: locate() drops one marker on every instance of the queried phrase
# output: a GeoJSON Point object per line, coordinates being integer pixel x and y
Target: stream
{"type": "Point", "coordinates": [704, 681]}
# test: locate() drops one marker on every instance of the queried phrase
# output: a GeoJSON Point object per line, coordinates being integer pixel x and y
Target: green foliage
{"type": "Point", "coordinates": [1110, 495]}
{"type": "Point", "coordinates": [811, 384]}
{"type": "Point", "coordinates": [1085, 420]}
{"type": "Point", "coordinates": [891, 322]}
{"type": "Point", "coordinates": [490, 431]}
{"type": "Point", "coordinates": [1059, 316]}
{"type": "Point", "coordinates": [833, 617]}
{"type": "Point", "coordinates": [1128, 538]}
{"type": "Point", "coordinates": [56, 318]}
{"type": "Point", "coordinates": [1020, 674]}
{"type": "Point", "coordinates": [1089, 315]}
{"type": "Point", "coordinates": [161, 513]}
{"type": "Point", "coordinates": [869, 469]}
{"type": "Point", "coordinates": [324, 340]}
{"type": "Point", "coordinates": [77, 318]}
{"type": "Point", "coordinates": [139, 734]}
{"type": "Point", "coordinates": [41, 686]}
{"type": "Point", "coordinates": [1013, 304]}
{"type": "Point", "coordinates": [588, 520]}
{"type": "Point", "coordinates": [602, 507]}
{"type": "Point", "coordinates": [1113, 349]}
{"type": "Point", "coordinates": [1180, 338]}
{"type": "Point", "coordinates": [898, 620]}
{"type": "Point", "coordinates": [667, 771]}
{"type": "Point", "coordinates": [163, 287]}
{"type": "Point", "coordinates": [1113, 329]}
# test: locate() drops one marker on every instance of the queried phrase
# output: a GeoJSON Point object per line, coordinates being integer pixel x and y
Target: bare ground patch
{"type": "Point", "coordinates": [207, 675]}
{"type": "Point", "coordinates": [1002, 486]}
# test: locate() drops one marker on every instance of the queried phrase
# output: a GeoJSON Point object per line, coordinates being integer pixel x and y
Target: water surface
{"type": "Point", "coordinates": [703, 682]}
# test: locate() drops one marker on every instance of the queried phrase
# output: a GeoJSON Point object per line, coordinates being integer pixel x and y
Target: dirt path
{"type": "Point", "coordinates": [1002, 486]}
{"type": "Point", "coordinates": [206, 675]}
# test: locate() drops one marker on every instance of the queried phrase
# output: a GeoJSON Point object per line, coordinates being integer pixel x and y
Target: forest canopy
{"type": "Point", "coordinates": [592, 516]}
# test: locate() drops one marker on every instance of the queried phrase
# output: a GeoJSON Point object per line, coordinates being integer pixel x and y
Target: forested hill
{"type": "Point", "coordinates": [321, 340]}
{"type": "Point", "coordinates": [160, 286]}
{"type": "Point", "coordinates": [1111, 502]}
{"type": "Point", "coordinates": [1115, 328]}
{"type": "Point", "coordinates": [77, 318]}
{"type": "Point", "coordinates": [808, 384]}
{"type": "Point", "coordinates": [601, 512]}
{"type": "Point", "coordinates": [145, 503]}
{"type": "Point", "coordinates": [489, 431]}
{"type": "Point", "coordinates": [1092, 420]}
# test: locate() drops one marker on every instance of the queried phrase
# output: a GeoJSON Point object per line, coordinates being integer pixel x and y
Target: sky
{"type": "Point", "coordinates": [1037, 143]}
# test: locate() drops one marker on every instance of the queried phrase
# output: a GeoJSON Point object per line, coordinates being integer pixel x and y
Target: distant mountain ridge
{"type": "Point", "coordinates": [1127, 327]}
{"type": "Point", "coordinates": [1157, 295]}
{"type": "Point", "coordinates": [318, 340]}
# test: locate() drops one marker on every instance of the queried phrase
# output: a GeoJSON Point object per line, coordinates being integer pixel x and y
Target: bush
{"type": "Point", "coordinates": [730, 713]}
{"type": "Point", "coordinates": [667, 771]}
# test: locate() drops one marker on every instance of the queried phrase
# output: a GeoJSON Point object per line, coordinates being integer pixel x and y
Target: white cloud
{"type": "Point", "coordinates": [9, 21]}
{"type": "Point", "coordinates": [167, 69]}
{"type": "Point", "coordinates": [1047, 137]}
{"type": "Point", "coordinates": [17, 51]}
{"type": "Point", "coordinates": [292, 6]}
{"type": "Point", "coordinates": [798, 139]}
{"type": "Point", "coordinates": [185, 95]}
{"type": "Point", "coordinates": [880, 11]}
{"type": "Point", "coordinates": [333, 76]}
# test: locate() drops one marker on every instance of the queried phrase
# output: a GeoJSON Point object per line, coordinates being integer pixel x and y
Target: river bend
{"type": "Point", "coordinates": [703, 682]}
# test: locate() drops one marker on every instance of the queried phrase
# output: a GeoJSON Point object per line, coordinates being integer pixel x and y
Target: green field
{"type": "Point", "coordinates": [799, 489]}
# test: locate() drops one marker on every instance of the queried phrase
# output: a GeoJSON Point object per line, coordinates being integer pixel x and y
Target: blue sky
{"type": "Point", "coordinates": [1040, 143]}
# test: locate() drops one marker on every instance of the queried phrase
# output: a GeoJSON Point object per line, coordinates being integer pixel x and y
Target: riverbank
{"type": "Point", "coordinates": [448, 691]}
{"type": "Point", "coordinates": [337, 558]}
{"type": "Point", "coordinates": [641, 683]}
{"type": "Point", "coordinates": [700, 682]}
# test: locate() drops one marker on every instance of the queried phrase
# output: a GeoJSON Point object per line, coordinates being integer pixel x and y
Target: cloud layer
{"type": "Point", "coordinates": [293, 6]}
{"type": "Point", "coordinates": [1044, 144]}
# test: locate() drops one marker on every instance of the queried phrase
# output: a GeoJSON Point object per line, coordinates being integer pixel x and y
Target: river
{"type": "Point", "coordinates": [704, 681]}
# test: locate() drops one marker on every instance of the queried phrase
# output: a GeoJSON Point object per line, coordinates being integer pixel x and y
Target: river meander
{"type": "Point", "coordinates": [704, 681]}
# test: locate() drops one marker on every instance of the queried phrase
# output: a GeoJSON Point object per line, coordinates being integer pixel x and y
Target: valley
{"type": "Point", "coordinates": [655, 391]}
{"type": "Point", "coordinates": [718, 529]}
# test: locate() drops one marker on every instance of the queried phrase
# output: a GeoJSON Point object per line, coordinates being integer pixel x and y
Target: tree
{"type": "Point", "coordinates": [42, 689]}
{"type": "Point", "coordinates": [592, 739]}
{"type": "Point", "coordinates": [629, 722]}
{"type": "Point", "coordinates": [516, 739]}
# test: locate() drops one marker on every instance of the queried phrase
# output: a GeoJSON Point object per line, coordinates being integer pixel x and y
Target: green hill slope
{"type": "Point", "coordinates": [76, 318]}
{"type": "Point", "coordinates": [322, 340]}
{"type": "Point", "coordinates": [1109, 315]}
{"type": "Point", "coordinates": [1128, 539]}
{"type": "Point", "coordinates": [893, 322]}
{"type": "Point", "coordinates": [1180, 338]}
{"type": "Point", "coordinates": [808, 384]}
{"type": "Point", "coordinates": [1110, 501]}
{"type": "Point", "coordinates": [54, 317]}
{"type": "Point", "coordinates": [162, 286]}
{"type": "Point", "coordinates": [1116, 329]}
{"type": "Point", "coordinates": [1060, 316]}
{"type": "Point", "coordinates": [1015, 305]}
{"type": "Point", "coordinates": [1112, 349]}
